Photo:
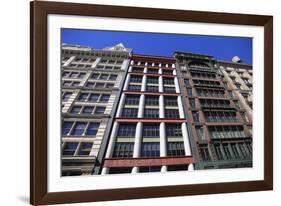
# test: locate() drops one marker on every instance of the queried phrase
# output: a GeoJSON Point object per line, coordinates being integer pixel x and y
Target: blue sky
{"type": "Point", "coordinates": [222, 48]}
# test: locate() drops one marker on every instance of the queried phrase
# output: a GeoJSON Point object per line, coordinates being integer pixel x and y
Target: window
{"type": "Point", "coordinates": [177, 167]}
{"type": "Point", "coordinates": [134, 87]}
{"type": "Point", "coordinates": [173, 130]}
{"type": "Point", "coordinates": [218, 151]}
{"type": "Point", "coordinates": [152, 71]}
{"type": "Point", "coordinates": [150, 131]}
{"type": "Point", "coordinates": [93, 128]}
{"type": "Point", "coordinates": [200, 133]}
{"type": "Point", "coordinates": [151, 113]}
{"type": "Point", "coordinates": [90, 84]}
{"type": "Point", "coordinates": [136, 79]}
{"type": "Point", "coordinates": [171, 101]}
{"type": "Point", "coordinates": [87, 110]}
{"type": "Point", "coordinates": [234, 150]}
{"type": "Point", "coordinates": [113, 77]}
{"type": "Point", "coordinates": [152, 100]}
{"type": "Point", "coordinates": [85, 148]}
{"type": "Point", "coordinates": [66, 127]}
{"type": "Point", "coordinates": [192, 103]}
{"type": "Point", "coordinates": [204, 151]}
{"type": "Point", "coordinates": [95, 76]}
{"type": "Point", "coordinates": [167, 71]}
{"type": "Point", "coordinates": [137, 69]}
{"type": "Point", "coordinates": [217, 132]}
{"type": "Point", "coordinates": [175, 149]}
{"type": "Point", "coordinates": [127, 130]}
{"type": "Point", "coordinates": [66, 96]}
{"type": "Point", "coordinates": [130, 112]}
{"type": "Point", "coordinates": [120, 170]}
{"type": "Point", "coordinates": [69, 149]}
{"type": "Point", "coordinates": [169, 89]}
{"type": "Point", "coordinates": [195, 116]}
{"type": "Point", "coordinates": [83, 97]}
{"type": "Point", "coordinates": [109, 85]}
{"type": "Point", "coordinates": [132, 100]}
{"type": "Point", "coordinates": [226, 151]}
{"type": "Point", "coordinates": [104, 98]}
{"type": "Point", "coordinates": [99, 85]}
{"type": "Point", "coordinates": [150, 149]}
{"type": "Point", "coordinates": [152, 88]}
{"type": "Point", "coordinates": [152, 80]}
{"type": "Point", "coordinates": [103, 76]}
{"type": "Point", "coordinates": [172, 113]}
{"type": "Point", "coordinates": [76, 109]}
{"type": "Point", "coordinates": [94, 97]}
{"type": "Point", "coordinates": [187, 83]}
{"type": "Point", "coordinates": [123, 149]}
{"type": "Point", "coordinates": [242, 149]}
{"type": "Point", "coordinates": [169, 81]}
{"type": "Point", "coordinates": [150, 169]}
{"type": "Point", "coordinates": [99, 110]}
{"type": "Point", "coordinates": [79, 128]}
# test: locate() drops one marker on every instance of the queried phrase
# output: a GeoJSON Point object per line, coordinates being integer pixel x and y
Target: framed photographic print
{"type": "Point", "coordinates": [131, 102]}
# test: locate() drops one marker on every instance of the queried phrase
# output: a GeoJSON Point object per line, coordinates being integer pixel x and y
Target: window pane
{"type": "Point", "coordinates": [93, 128]}
{"type": "Point", "coordinates": [79, 128]}
{"type": "Point", "coordinates": [85, 148]}
{"type": "Point", "coordinates": [66, 127]}
{"type": "Point", "coordinates": [70, 148]}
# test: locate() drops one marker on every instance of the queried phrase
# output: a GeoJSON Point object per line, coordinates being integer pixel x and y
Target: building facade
{"type": "Point", "coordinates": [130, 113]}
{"type": "Point", "coordinates": [219, 114]}
{"type": "Point", "coordinates": [90, 86]}
{"type": "Point", "coordinates": [149, 132]}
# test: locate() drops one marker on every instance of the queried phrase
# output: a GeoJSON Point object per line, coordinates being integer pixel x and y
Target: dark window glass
{"type": "Point", "coordinates": [83, 96]}
{"type": "Point", "coordinates": [113, 77]}
{"type": "Point", "coordinates": [178, 168]}
{"type": "Point", "coordinates": [150, 130]}
{"type": "Point", "coordinates": [173, 130]}
{"type": "Point", "coordinates": [99, 85]}
{"type": "Point", "coordinates": [151, 113]}
{"type": "Point", "coordinates": [70, 148]}
{"type": "Point", "coordinates": [195, 116]}
{"type": "Point", "coordinates": [152, 80]}
{"type": "Point", "coordinates": [94, 97]}
{"type": "Point", "coordinates": [127, 130]}
{"type": "Point", "coordinates": [75, 109]}
{"type": "Point", "coordinates": [130, 112]}
{"type": "Point", "coordinates": [134, 87]}
{"type": "Point", "coordinates": [152, 88]}
{"type": "Point", "coordinates": [226, 151]}
{"type": "Point", "coordinates": [66, 96]}
{"type": "Point", "coordinates": [167, 71]}
{"type": "Point", "coordinates": [205, 155]}
{"type": "Point", "coordinates": [103, 76]}
{"type": "Point", "coordinates": [171, 101]}
{"type": "Point", "coordinates": [150, 169]}
{"type": "Point", "coordinates": [94, 76]}
{"type": "Point", "coordinates": [137, 79]}
{"type": "Point", "coordinates": [218, 151]}
{"type": "Point", "coordinates": [85, 148]}
{"type": "Point", "coordinates": [172, 113]}
{"type": "Point", "coordinates": [132, 100]}
{"type": "Point", "coordinates": [175, 149]}
{"type": "Point", "coordinates": [104, 98]}
{"type": "Point", "coordinates": [66, 127]}
{"type": "Point", "coordinates": [169, 81]}
{"type": "Point", "coordinates": [120, 170]}
{"type": "Point", "coordinates": [137, 69]}
{"type": "Point", "coordinates": [152, 100]}
{"type": "Point", "coordinates": [152, 71]}
{"type": "Point", "coordinates": [92, 128]}
{"type": "Point", "coordinates": [99, 110]}
{"type": "Point", "coordinates": [87, 110]}
{"type": "Point", "coordinates": [169, 89]}
{"type": "Point", "coordinates": [79, 128]}
{"type": "Point", "coordinates": [90, 84]}
{"type": "Point", "coordinates": [123, 149]}
{"type": "Point", "coordinates": [150, 149]}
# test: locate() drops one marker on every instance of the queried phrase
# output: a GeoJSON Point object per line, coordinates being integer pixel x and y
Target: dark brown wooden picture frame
{"type": "Point", "coordinates": [38, 102]}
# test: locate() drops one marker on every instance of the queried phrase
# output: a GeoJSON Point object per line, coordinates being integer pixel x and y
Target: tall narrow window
{"type": "Point", "coordinates": [150, 149]}
{"type": "Point", "coordinates": [205, 155]}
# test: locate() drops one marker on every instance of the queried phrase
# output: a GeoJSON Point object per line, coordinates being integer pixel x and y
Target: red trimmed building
{"type": "Point", "coordinates": [149, 133]}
